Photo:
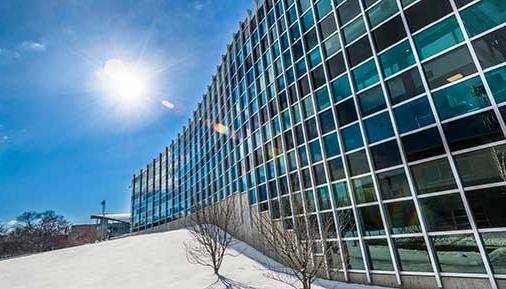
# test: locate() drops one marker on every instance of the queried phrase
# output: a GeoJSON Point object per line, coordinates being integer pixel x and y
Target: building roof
{"type": "Point", "coordinates": [124, 218]}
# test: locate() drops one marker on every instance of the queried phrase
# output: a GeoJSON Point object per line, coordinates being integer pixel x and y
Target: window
{"type": "Point", "coordinates": [310, 201]}
{"type": "Point", "coordinates": [393, 184]}
{"type": "Point", "coordinates": [352, 137]}
{"type": "Point", "coordinates": [379, 254]}
{"type": "Point", "coordinates": [413, 115]}
{"type": "Point", "coordinates": [340, 88]}
{"type": "Point", "coordinates": [423, 144]}
{"type": "Point", "coordinates": [314, 58]}
{"type": "Point", "coordinates": [354, 30]}
{"type": "Point", "coordinates": [331, 45]}
{"type": "Point", "coordinates": [322, 8]}
{"type": "Point", "coordinates": [413, 255]}
{"type": "Point", "coordinates": [396, 58]}
{"type": "Point", "coordinates": [460, 98]}
{"type": "Point", "coordinates": [324, 202]}
{"type": "Point", "coordinates": [327, 27]}
{"type": "Point", "coordinates": [491, 48]}
{"type": "Point", "coordinates": [480, 167]}
{"type": "Point", "coordinates": [473, 130]}
{"type": "Point", "coordinates": [449, 67]}
{"type": "Point", "coordinates": [405, 86]}
{"type": "Point", "coordinates": [425, 12]}
{"type": "Point", "coordinates": [336, 66]}
{"type": "Point", "coordinates": [359, 51]}
{"type": "Point", "coordinates": [363, 190]}
{"type": "Point", "coordinates": [354, 253]}
{"type": "Point", "coordinates": [348, 11]}
{"type": "Point", "coordinates": [311, 130]}
{"type": "Point", "coordinates": [322, 99]}
{"type": "Point", "coordinates": [439, 37]}
{"type": "Point", "coordinates": [378, 127]}
{"type": "Point", "coordinates": [346, 112]}
{"type": "Point", "coordinates": [341, 195]}
{"type": "Point", "coordinates": [311, 39]}
{"type": "Point", "coordinates": [371, 101]}
{"type": "Point", "coordinates": [319, 174]}
{"type": "Point", "coordinates": [444, 213]}
{"type": "Point", "coordinates": [307, 21]}
{"type": "Point", "coordinates": [365, 75]}
{"type": "Point", "coordinates": [389, 33]}
{"type": "Point", "coordinates": [497, 83]}
{"type": "Point", "coordinates": [488, 206]}
{"type": "Point", "coordinates": [357, 162]}
{"type": "Point", "coordinates": [381, 12]}
{"type": "Point", "coordinates": [318, 77]}
{"type": "Point", "coordinates": [433, 176]}
{"type": "Point", "coordinates": [336, 169]}
{"type": "Point", "coordinates": [331, 145]}
{"type": "Point", "coordinates": [484, 15]}
{"type": "Point", "coordinates": [316, 152]}
{"type": "Point", "coordinates": [494, 246]}
{"type": "Point", "coordinates": [386, 155]}
{"type": "Point", "coordinates": [327, 121]}
{"type": "Point", "coordinates": [403, 217]}
{"type": "Point", "coordinates": [372, 225]}
{"type": "Point", "coordinates": [458, 253]}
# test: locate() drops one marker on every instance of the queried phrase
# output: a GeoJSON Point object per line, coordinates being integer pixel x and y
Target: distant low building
{"type": "Point", "coordinates": [82, 234]}
{"type": "Point", "coordinates": [111, 225]}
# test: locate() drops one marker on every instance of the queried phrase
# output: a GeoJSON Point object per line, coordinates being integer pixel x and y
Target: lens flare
{"type": "Point", "coordinates": [220, 128]}
{"type": "Point", "coordinates": [168, 104]}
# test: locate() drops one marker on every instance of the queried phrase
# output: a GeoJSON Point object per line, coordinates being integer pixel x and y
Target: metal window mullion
{"type": "Point", "coordinates": [446, 147]}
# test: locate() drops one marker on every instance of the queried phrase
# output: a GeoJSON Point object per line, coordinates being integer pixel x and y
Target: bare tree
{"type": "Point", "coordinates": [300, 248]}
{"type": "Point", "coordinates": [211, 233]}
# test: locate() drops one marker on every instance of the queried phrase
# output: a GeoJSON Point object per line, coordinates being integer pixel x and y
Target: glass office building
{"type": "Point", "coordinates": [389, 113]}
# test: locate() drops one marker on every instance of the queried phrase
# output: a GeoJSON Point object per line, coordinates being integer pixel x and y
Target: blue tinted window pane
{"type": "Point", "coordinates": [382, 11]}
{"type": "Point", "coordinates": [484, 15]}
{"type": "Point", "coordinates": [365, 75]}
{"type": "Point", "coordinates": [371, 101]}
{"type": "Point", "coordinates": [341, 88]}
{"type": "Point", "coordinates": [307, 21]}
{"type": "Point", "coordinates": [438, 38]}
{"type": "Point", "coordinates": [397, 58]}
{"type": "Point", "coordinates": [353, 30]}
{"type": "Point", "coordinates": [497, 82]}
{"type": "Point", "coordinates": [316, 152]}
{"type": "Point", "coordinates": [315, 58]}
{"type": "Point", "coordinates": [458, 99]}
{"type": "Point", "coordinates": [352, 137]}
{"type": "Point", "coordinates": [413, 115]}
{"type": "Point", "coordinates": [331, 145]}
{"type": "Point", "coordinates": [322, 99]}
{"type": "Point", "coordinates": [378, 127]}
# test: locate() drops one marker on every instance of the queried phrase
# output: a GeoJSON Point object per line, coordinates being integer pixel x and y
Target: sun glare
{"type": "Point", "coordinates": [125, 84]}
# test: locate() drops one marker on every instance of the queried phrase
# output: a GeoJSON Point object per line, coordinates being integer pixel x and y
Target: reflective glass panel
{"type": "Point", "coordinates": [491, 48]}
{"type": "Point", "coordinates": [378, 127]}
{"type": "Point", "coordinates": [481, 167]}
{"type": "Point", "coordinates": [353, 255]}
{"type": "Point", "coordinates": [495, 247]}
{"type": "Point", "coordinates": [458, 253]}
{"type": "Point", "coordinates": [372, 225]}
{"type": "Point", "coordinates": [341, 196]}
{"type": "Point", "coordinates": [403, 217]}
{"type": "Point", "coordinates": [363, 189]}
{"type": "Point", "coordinates": [497, 82]}
{"type": "Point", "coordinates": [365, 75]}
{"type": "Point", "coordinates": [397, 58]}
{"type": "Point", "coordinates": [413, 254]}
{"type": "Point", "coordinates": [341, 88]}
{"type": "Point", "coordinates": [357, 162]}
{"type": "Point", "coordinates": [484, 15]}
{"type": "Point", "coordinates": [379, 254]}
{"type": "Point", "coordinates": [352, 137]}
{"type": "Point", "coordinates": [386, 155]}
{"type": "Point", "coordinates": [444, 213]}
{"type": "Point", "coordinates": [393, 184]}
{"type": "Point", "coordinates": [439, 37]}
{"type": "Point", "coordinates": [488, 206]}
{"type": "Point", "coordinates": [371, 101]}
{"type": "Point", "coordinates": [423, 144]}
{"type": "Point", "coordinates": [413, 115]}
{"type": "Point", "coordinates": [382, 11]}
{"type": "Point", "coordinates": [331, 145]}
{"type": "Point", "coordinates": [433, 176]}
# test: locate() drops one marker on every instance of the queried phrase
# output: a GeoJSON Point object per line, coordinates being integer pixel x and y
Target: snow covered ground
{"type": "Point", "coordinates": [140, 262]}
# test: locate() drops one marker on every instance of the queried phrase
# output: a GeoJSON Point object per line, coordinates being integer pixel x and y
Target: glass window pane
{"type": "Point", "coordinates": [324, 201]}
{"type": "Point", "coordinates": [346, 112]}
{"type": "Point", "coordinates": [336, 169]}
{"type": "Point", "coordinates": [331, 145]}
{"type": "Point", "coordinates": [327, 121]}
{"type": "Point", "coordinates": [433, 176]}
{"type": "Point", "coordinates": [331, 45]}
{"type": "Point", "coordinates": [473, 130]}
{"type": "Point", "coordinates": [393, 184]}
{"type": "Point", "coordinates": [491, 48]}
{"type": "Point", "coordinates": [378, 127]}
{"type": "Point", "coordinates": [314, 58]}
{"type": "Point", "coordinates": [382, 11]}
{"type": "Point", "coordinates": [341, 196]}
{"type": "Point", "coordinates": [403, 217]}
{"type": "Point", "coordinates": [316, 152]}
{"type": "Point", "coordinates": [372, 225]}
{"type": "Point", "coordinates": [413, 254]}
{"type": "Point", "coordinates": [322, 8]}
{"type": "Point", "coordinates": [495, 247]}
{"type": "Point", "coordinates": [322, 99]}
{"type": "Point", "coordinates": [389, 33]}
{"type": "Point", "coordinates": [444, 213]}
{"type": "Point", "coordinates": [425, 12]}
{"type": "Point", "coordinates": [363, 190]}
{"type": "Point", "coordinates": [365, 75]}
{"type": "Point", "coordinates": [439, 37]}
{"type": "Point", "coordinates": [379, 254]}
{"type": "Point", "coordinates": [348, 11]}
{"type": "Point", "coordinates": [359, 51]}
{"type": "Point", "coordinates": [341, 88]}
{"type": "Point", "coordinates": [371, 101]}
{"type": "Point", "coordinates": [488, 206]}
{"type": "Point", "coordinates": [352, 137]}
{"type": "Point", "coordinates": [413, 115]}
{"type": "Point", "coordinates": [357, 162]}
{"type": "Point", "coordinates": [449, 67]}
{"type": "Point", "coordinates": [353, 255]}
{"type": "Point", "coordinates": [464, 97]}
{"type": "Point", "coordinates": [353, 30]}
{"type": "Point", "coordinates": [396, 58]}
{"type": "Point", "coordinates": [484, 15]}
{"type": "Point", "coordinates": [311, 40]}
{"type": "Point", "coordinates": [346, 223]}
{"type": "Point", "coordinates": [481, 167]}
{"type": "Point", "coordinates": [336, 66]}
{"type": "Point", "coordinates": [458, 253]}
{"type": "Point", "coordinates": [405, 86]}
{"type": "Point", "coordinates": [327, 27]}
{"type": "Point", "coordinates": [386, 155]}
{"type": "Point", "coordinates": [307, 21]}
{"type": "Point", "coordinates": [497, 82]}
{"type": "Point", "coordinates": [423, 144]}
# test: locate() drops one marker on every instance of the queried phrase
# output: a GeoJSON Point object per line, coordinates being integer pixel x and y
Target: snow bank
{"type": "Point", "coordinates": [146, 261]}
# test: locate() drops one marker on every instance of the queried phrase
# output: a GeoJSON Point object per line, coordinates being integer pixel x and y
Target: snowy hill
{"type": "Point", "coordinates": [147, 261]}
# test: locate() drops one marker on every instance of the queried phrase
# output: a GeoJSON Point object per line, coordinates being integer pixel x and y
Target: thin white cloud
{"type": "Point", "coordinates": [198, 5]}
{"type": "Point", "coordinates": [32, 46]}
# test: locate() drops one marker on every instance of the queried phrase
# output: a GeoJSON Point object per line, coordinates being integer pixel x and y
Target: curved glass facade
{"type": "Point", "coordinates": [389, 114]}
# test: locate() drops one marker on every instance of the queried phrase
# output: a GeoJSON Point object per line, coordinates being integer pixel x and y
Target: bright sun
{"type": "Point", "coordinates": [125, 84]}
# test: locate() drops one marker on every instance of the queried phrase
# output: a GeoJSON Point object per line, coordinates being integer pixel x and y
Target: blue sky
{"type": "Point", "coordinates": [63, 146]}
